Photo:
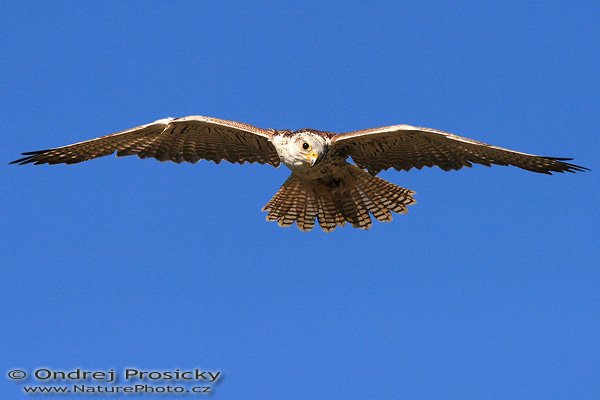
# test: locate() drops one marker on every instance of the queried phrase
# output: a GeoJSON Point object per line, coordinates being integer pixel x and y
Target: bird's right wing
{"type": "Point", "coordinates": [171, 139]}
{"type": "Point", "coordinates": [403, 147]}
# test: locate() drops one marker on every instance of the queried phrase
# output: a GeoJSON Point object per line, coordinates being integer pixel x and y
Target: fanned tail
{"type": "Point", "coordinates": [353, 196]}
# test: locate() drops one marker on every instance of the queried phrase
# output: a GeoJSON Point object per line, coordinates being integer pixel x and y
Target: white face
{"type": "Point", "coordinates": [302, 150]}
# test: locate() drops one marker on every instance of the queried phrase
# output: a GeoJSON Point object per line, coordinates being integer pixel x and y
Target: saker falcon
{"type": "Point", "coordinates": [323, 185]}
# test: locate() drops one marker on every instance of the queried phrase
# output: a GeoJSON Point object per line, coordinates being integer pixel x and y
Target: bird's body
{"type": "Point", "coordinates": [323, 185]}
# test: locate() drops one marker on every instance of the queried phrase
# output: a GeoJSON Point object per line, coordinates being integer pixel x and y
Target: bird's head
{"type": "Point", "coordinates": [301, 149]}
{"type": "Point", "coordinates": [307, 147]}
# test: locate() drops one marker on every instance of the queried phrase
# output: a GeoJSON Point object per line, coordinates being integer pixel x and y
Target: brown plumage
{"type": "Point", "coordinates": [323, 187]}
{"type": "Point", "coordinates": [184, 139]}
{"type": "Point", "coordinates": [351, 198]}
{"type": "Point", "coordinates": [403, 147]}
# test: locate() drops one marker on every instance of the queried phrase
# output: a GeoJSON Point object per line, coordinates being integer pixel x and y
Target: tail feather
{"type": "Point", "coordinates": [306, 219]}
{"type": "Point", "coordinates": [346, 205]}
{"type": "Point", "coordinates": [296, 208]}
{"type": "Point", "coordinates": [277, 201]}
{"type": "Point", "coordinates": [376, 205]}
{"type": "Point", "coordinates": [327, 213]}
{"type": "Point", "coordinates": [389, 196]}
{"type": "Point", "coordinates": [352, 197]}
{"type": "Point", "coordinates": [360, 213]}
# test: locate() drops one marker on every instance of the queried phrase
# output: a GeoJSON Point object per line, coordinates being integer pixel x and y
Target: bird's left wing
{"type": "Point", "coordinates": [171, 139]}
{"type": "Point", "coordinates": [403, 147]}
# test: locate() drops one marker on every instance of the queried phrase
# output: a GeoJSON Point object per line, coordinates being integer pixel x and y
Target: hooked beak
{"type": "Point", "coordinates": [312, 157]}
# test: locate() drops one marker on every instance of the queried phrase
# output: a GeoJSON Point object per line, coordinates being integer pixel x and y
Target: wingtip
{"type": "Point", "coordinates": [35, 152]}
{"type": "Point", "coordinates": [21, 161]}
{"type": "Point", "coordinates": [29, 157]}
{"type": "Point", "coordinates": [567, 167]}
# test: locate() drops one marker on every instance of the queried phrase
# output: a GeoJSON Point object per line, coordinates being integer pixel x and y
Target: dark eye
{"type": "Point", "coordinates": [305, 146]}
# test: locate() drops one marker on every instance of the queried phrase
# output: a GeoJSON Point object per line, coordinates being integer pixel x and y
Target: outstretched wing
{"type": "Point", "coordinates": [171, 139]}
{"type": "Point", "coordinates": [403, 147]}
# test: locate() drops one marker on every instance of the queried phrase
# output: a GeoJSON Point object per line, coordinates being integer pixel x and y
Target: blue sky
{"type": "Point", "coordinates": [488, 289]}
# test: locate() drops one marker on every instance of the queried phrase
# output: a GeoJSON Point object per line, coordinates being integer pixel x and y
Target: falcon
{"type": "Point", "coordinates": [323, 185]}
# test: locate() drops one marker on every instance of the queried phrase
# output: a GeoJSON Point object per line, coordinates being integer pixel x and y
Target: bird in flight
{"type": "Point", "coordinates": [323, 185]}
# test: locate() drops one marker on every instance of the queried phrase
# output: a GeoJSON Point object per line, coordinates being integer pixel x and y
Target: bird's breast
{"type": "Point", "coordinates": [326, 167]}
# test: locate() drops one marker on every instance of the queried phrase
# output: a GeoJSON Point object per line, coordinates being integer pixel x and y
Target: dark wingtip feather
{"type": "Point", "coordinates": [30, 157]}
{"type": "Point", "coordinates": [566, 167]}
{"type": "Point", "coordinates": [36, 152]}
